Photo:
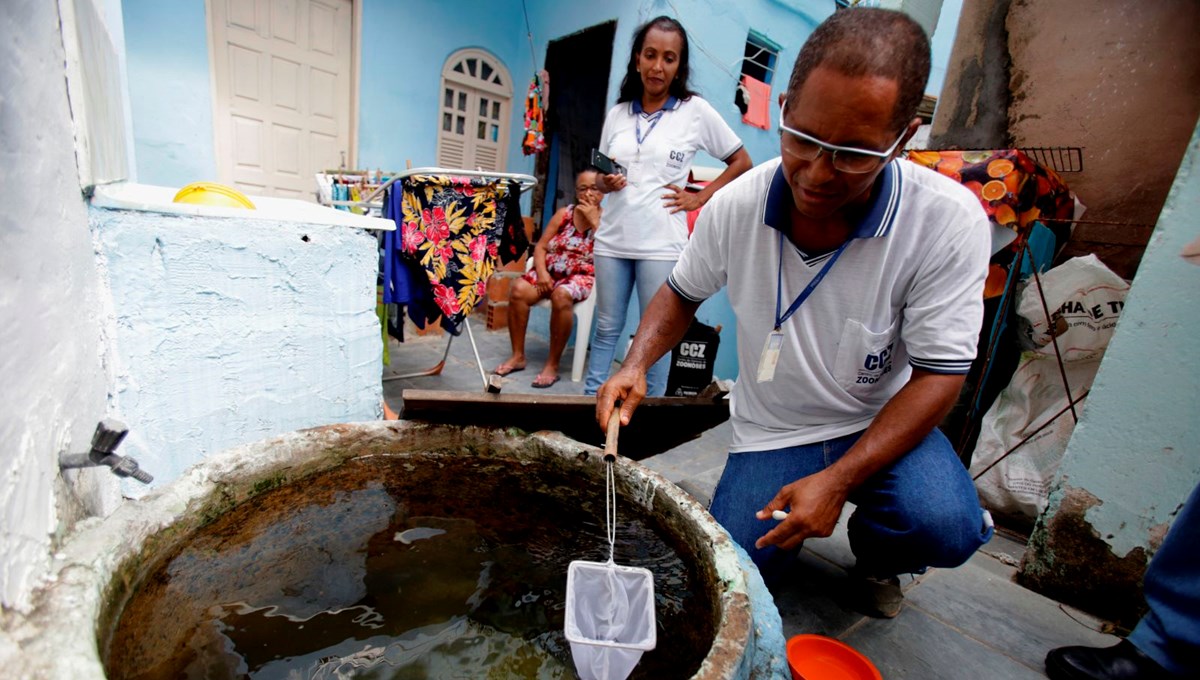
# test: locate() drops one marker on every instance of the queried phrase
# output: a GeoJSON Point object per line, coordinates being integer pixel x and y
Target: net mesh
{"type": "Point", "coordinates": [610, 609]}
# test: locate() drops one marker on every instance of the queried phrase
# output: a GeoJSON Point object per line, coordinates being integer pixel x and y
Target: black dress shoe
{"type": "Point", "coordinates": [1120, 662]}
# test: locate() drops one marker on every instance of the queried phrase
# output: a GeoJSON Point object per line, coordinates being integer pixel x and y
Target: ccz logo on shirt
{"type": "Point", "coordinates": [675, 159]}
{"type": "Point", "coordinates": [875, 366]}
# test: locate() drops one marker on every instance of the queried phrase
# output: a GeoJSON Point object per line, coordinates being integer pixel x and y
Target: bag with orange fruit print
{"type": "Point", "coordinates": [1014, 190]}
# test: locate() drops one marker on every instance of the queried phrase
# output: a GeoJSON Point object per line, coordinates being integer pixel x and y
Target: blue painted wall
{"type": "Point", "coordinates": [170, 91]}
{"type": "Point", "coordinates": [403, 48]}
{"type": "Point", "coordinates": [941, 42]}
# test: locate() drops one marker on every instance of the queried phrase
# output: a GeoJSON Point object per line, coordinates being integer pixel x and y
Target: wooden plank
{"type": "Point", "coordinates": [659, 424]}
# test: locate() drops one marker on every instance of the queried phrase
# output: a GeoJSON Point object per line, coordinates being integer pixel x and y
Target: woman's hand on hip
{"type": "Point", "coordinates": [681, 200]}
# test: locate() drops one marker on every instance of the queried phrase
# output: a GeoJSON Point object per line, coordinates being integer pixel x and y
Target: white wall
{"type": "Point", "coordinates": [198, 335]}
{"type": "Point", "coordinates": [226, 331]}
{"type": "Point", "coordinates": [53, 387]}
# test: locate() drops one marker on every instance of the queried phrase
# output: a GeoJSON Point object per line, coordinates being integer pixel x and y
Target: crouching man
{"type": "Point", "coordinates": [857, 282]}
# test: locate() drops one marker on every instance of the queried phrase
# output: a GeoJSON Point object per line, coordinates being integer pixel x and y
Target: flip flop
{"type": "Point", "coordinates": [503, 373]}
{"type": "Point", "coordinates": [544, 385]}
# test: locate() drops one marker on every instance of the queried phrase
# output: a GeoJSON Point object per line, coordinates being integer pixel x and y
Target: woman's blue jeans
{"type": "Point", "coordinates": [921, 512]}
{"type": "Point", "coordinates": [615, 279]}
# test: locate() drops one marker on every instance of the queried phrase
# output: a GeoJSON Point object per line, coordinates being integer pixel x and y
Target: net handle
{"type": "Point", "coordinates": [610, 485]}
{"type": "Point", "coordinates": [610, 439]}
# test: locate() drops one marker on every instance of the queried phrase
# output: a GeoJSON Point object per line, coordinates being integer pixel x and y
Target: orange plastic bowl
{"type": "Point", "coordinates": [816, 657]}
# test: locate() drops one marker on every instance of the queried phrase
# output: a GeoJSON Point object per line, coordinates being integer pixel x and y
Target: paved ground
{"type": "Point", "coordinates": [969, 622]}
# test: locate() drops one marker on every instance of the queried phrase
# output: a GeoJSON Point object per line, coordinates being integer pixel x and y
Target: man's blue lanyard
{"type": "Point", "coordinates": [812, 285]}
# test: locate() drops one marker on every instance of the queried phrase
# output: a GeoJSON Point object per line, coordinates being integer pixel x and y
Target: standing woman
{"type": "Point", "coordinates": [654, 131]}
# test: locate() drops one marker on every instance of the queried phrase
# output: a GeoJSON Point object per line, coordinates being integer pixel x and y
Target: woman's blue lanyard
{"type": "Point", "coordinates": [637, 123]}
{"type": "Point", "coordinates": [812, 285]}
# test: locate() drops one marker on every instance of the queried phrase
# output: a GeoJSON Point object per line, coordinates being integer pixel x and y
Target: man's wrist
{"type": "Point", "coordinates": [841, 478]}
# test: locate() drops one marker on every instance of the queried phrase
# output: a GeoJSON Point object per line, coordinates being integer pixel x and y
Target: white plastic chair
{"type": "Point", "coordinates": [583, 326]}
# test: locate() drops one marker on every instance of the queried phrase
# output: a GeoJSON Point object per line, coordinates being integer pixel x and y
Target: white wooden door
{"type": "Point", "coordinates": [283, 92]}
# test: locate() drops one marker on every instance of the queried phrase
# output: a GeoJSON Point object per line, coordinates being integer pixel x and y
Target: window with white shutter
{"type": "Point", "coordinates": [473, 112]}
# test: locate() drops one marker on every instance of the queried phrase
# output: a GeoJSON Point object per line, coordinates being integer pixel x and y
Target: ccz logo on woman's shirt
{"type": "Point", "coordinates": [676, 159]}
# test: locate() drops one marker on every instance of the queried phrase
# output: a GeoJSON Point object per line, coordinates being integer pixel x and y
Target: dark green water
{"type": "Point", "coordinates": [386, 568]}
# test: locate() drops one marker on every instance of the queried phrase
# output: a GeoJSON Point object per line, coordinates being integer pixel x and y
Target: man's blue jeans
{"type": "Point", "coordinates": [615, 279]}
{"type": "Point", "coordinates": [921, 512]}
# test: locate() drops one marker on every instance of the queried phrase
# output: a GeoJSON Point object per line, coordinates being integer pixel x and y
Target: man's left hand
{"type": "Point", "coordinates": [814, 504]}
{"type": "Point", "coordinates": [682, 200]}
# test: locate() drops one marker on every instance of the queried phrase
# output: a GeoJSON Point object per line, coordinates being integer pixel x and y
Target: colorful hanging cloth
{"type": "Point", "coordinates": [758, 108]}
{"type": "Point", "coordinates": [535, 140]}
{"type": "Point", "coordinates": [449, 228]}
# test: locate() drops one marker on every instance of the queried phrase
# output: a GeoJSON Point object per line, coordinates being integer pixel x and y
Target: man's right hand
{"type": "Point", "coordinates": [627, 386]}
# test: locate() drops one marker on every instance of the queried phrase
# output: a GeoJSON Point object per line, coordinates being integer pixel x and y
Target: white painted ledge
{"type": "Point", "coordinates": [150, 198]}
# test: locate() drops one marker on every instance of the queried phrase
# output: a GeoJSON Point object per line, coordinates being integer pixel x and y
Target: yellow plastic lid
{"type": "Point", "coordinates": [210, 193]}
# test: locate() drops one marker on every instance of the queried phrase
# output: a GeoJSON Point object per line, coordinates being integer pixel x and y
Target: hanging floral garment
{"type": "Point", "coordinates": [450, 229]}
{"type": "Point", "coordinates": [535, 139]}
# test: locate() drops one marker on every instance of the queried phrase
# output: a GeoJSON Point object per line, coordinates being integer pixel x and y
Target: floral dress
{"type": "Point", "coordinates": [569, 259]}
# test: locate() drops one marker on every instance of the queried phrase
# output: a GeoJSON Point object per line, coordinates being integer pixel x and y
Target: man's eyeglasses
{"type": "Point", "coordinates": [845, 158]}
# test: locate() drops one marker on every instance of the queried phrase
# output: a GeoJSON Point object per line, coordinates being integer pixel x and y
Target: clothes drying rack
{"type": "Point", "coordinates": [375, 200]}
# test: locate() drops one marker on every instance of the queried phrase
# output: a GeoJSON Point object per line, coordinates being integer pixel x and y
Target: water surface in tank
{"type": "Point", "coordinates": [415, 566]}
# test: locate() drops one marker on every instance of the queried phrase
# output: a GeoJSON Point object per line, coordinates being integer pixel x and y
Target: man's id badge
{"type": "Point", "coordinates": [770, 356]}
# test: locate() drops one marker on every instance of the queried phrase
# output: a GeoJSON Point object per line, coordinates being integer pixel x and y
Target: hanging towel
{"type": "Point", "coordinates": [758, 111]}
{"type": "Point", "coordinates": [404, 282]}
{"type": "Point", "coordinates": [449, 228]}
{"type": "Point", "coordinates": [535, 139]}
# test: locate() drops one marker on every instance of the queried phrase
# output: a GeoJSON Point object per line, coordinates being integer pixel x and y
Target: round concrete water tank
{"type": "Point", "coordinates": [110, 564]}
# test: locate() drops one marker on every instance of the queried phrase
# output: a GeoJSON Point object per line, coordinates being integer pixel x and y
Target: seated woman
{"type": "Point", "coordinates": [562, 271]}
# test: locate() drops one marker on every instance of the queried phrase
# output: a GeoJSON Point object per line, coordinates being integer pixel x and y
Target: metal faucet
{"type": "Point", "coordinates": [108, 436]}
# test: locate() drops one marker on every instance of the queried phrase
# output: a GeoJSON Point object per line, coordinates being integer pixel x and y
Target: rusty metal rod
{"type": "Point", "coordinates": [1067, 220]}
{"type": "Point", "coordinates": [1062, 369]}
{"type": "Point", "coordinates": [1069, 407]}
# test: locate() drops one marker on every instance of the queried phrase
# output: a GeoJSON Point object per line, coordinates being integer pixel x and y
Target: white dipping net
{"type": "Point", "coordinates": [610, 608]}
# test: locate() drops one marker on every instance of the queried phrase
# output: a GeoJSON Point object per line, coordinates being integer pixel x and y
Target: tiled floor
{"type": "Point", "coordinates": [964, 623]}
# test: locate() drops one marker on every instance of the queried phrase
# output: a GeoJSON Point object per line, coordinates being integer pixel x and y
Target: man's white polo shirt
{"type": "Point", "coordinates": [907, 291]}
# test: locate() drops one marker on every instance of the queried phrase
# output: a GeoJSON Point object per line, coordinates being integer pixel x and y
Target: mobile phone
{"type": "Point", "coordinates": [605, 164]}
